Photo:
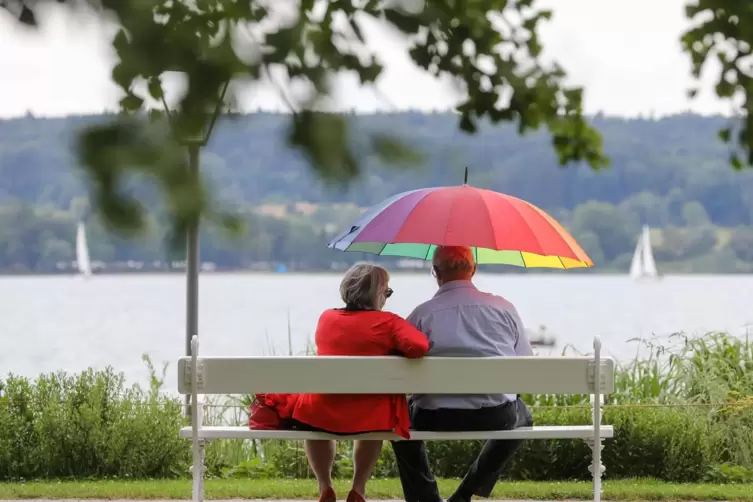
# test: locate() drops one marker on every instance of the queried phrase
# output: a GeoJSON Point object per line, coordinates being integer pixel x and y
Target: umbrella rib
{"type": "Point", "coordinates": [338, 241]}
{"type": "Point", "coordinates": [447, 222]}
{"type": "Point", "coordinates": [429, 191]}
{"type": "Point", "coordinates": [489, 217]}
{"type": "Point", "coordinates": [335, 242]}
{"type": "Point", "coordinates": [377, 209]}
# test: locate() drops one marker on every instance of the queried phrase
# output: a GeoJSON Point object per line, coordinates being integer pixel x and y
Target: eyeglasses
{"type": "Point", "coordinates": [388, 293]}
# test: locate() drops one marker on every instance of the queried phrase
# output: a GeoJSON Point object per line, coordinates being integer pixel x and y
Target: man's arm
{"type": "Point", "coordinates": [416, 319]}
{"type": "Point", "coordinates": [522, 343]}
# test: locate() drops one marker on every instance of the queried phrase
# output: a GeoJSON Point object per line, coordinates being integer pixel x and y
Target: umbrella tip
{"type": "Point", "coordinates": [465, 179]}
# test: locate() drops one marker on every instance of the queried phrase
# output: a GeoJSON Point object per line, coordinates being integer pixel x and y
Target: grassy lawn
{"type": "Point", "coordinates": [378, 489]}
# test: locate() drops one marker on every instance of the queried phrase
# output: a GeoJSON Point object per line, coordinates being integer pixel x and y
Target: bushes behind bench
{"type": "Point", "coordinates": [672, 444]}
{"type": "Point", "coordinates": [88, 425]}
{"type": "Point", "coordinates": [93, 425]}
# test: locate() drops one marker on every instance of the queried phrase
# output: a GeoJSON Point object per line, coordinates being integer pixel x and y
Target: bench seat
{"type": "Point", "coordinates": [540, 432]}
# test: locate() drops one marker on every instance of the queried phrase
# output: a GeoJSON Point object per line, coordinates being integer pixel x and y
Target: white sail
{"type": "Point", "coordinates": [643, 265]}
{"type": "Point", "coordinates": [649, 265]}
{"type": "Point", "coordinates": [636, 266]}
{"type": "Point", "coordinates": [82, 252]}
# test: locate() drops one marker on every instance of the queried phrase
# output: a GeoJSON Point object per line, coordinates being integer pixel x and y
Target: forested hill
{"type": "Point", "coordinates": [669, 172]}
{"type": "Point", "coordinates": [678, 156]}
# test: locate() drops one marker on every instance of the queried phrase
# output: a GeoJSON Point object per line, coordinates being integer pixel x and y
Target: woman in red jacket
{"type": "Point", "coordinates": [359, 329]}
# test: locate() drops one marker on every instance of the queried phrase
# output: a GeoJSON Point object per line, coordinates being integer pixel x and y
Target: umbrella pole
{"type": "Point", "coordinates": [192, 270]}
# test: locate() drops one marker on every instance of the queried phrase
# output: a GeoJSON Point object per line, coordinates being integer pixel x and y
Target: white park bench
{"type": "Point", "coordinates": [396, 375]}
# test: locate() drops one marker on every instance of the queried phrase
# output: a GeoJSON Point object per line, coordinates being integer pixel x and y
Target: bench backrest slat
{"type": "Point", "coordinates": [396, 375]}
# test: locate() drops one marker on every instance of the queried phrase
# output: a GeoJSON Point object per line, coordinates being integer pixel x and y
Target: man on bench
{"type": "Point", "coordinates": [462, 321]}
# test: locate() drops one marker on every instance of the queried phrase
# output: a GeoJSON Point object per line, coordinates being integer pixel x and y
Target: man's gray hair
{"type": "Point", "coordinates": [363, 286]}
{"type": "Point", "coordinates": [453, 260]}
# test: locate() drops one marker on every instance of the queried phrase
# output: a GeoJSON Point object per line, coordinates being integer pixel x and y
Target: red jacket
{"type": "Point", "coordinates": [361, 333]}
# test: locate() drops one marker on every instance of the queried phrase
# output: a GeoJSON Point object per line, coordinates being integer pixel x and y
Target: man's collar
{"type": "Point", "coordinates": [454, 285]}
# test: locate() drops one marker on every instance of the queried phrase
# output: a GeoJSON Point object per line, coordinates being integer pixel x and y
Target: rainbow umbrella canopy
{"type": "Point", "coordinates": [501, 229]}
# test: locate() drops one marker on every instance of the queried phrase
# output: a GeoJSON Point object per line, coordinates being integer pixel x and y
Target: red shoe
{"type": "Point", "coordinates": [354, 496]}
{"type": "Point", "coordinates": [328, 496]}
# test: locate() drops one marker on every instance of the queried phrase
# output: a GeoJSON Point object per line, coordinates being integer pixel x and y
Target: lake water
{"type": "Point", "coordinates": [49, 323]}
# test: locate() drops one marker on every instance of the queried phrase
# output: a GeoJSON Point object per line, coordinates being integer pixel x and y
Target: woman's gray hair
{"type": "Point", "coordinates": [364, 286]}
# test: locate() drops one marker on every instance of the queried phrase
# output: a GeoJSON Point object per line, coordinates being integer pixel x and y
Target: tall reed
{"type": "Point", "coordinates": [677, 369]}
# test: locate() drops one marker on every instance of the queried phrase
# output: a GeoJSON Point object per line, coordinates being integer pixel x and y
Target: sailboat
{"type": "Point", "coordinates": [540, 338]}
{"type": "Point", "coordinates": [643, 266]}
{"type": "Point", "coordinates": [82, 252]}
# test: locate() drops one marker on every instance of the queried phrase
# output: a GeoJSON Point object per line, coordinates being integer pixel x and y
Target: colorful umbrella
{"type": "Point", "coordinates": [501, 229]}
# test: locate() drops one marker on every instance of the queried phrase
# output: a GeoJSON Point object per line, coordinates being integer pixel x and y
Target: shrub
{"type": "Point", "coordinates": [665, 410]}
{"type": "Point", "coordinates": [88, 425]}
{"type": "Point", "coordinates": [670, 443]}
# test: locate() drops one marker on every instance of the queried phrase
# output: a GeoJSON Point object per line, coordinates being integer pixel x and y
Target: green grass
{"type": "Point", "coordinates": [378, 489]}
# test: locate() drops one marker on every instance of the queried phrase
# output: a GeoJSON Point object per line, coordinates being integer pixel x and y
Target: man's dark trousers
{"type": "Point", "coordinates": [418, 482]}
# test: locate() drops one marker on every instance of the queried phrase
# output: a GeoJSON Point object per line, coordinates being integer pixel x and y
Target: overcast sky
{"type": "Point", "coordinates": [625, 53]}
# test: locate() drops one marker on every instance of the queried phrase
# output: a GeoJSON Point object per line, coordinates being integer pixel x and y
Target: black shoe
{"type": "Point", "coordinates": [455, 497]}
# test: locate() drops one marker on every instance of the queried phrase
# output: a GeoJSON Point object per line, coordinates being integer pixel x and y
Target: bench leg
{"type": "Point", "coordinates": [198, 474]}
{"type": "Point", "coordinates": [596, 468]}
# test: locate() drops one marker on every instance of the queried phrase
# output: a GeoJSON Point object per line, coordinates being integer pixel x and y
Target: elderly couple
{"type": "Point", "coordinates": [458, 321]}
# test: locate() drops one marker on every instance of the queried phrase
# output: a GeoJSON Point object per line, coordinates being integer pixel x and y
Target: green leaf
{"type": "Point", "coordinates": [370, 72]}
{"type": "Point", "coordinates": [323, 138]}
{"type": "Point", "coordinates": [467, 124]}
{"type": "Point", "coordinates": [131, 103]}
{"type": "Point", "coordinates": [156, 115]}
{"type": "Point", "coordinates": [281, 44]}
{"type": "Point", "coordinates": [120, 42]}
{"type": "Point", "coordinates": [404, 22]}
{"type": "Point", "coordinates": [27, 16]}
{"type": "Point", "coordinates": [155, 88]}
{"type": "Point", "coordinates": [716, 26]}
{"type": "Point", "coordinates": [735, 161]}
{"type": "Point", "coordinates": [123, 75]}
{"type": "Point", "coordinates": [394, 151]}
